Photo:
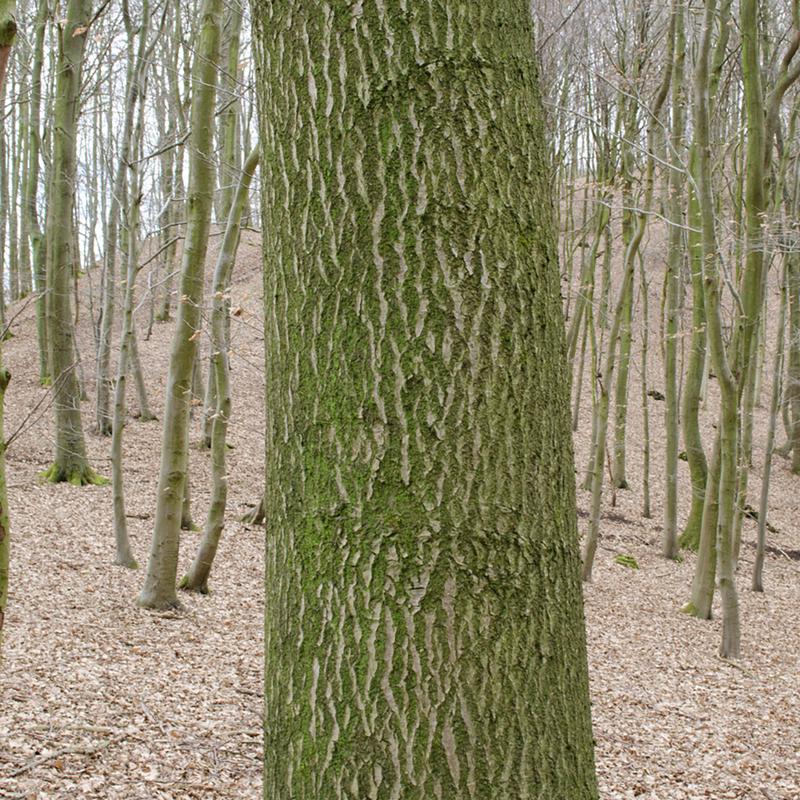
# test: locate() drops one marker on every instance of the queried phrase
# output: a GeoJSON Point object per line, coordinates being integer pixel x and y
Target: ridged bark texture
{"type": "Point", "coordinates": [424, 629]}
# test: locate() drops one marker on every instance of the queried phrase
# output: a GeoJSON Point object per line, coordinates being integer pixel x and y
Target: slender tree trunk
{"type": "Point", "coordinates": [196, 579]}
{"type": "Point", "coordinates": [124, 556]}
{"type": "Point", "coordinates": [135, 91]}
{"type": "Point", "coordinates": [144, 414]}
{"type": "Point", "coordinates": [757, 584]}
{"type": "Point", "coordinates": [31, 189]}
{"type": "Point", "coordinates": [675, 202]}
{"type": "Point", "coordinates": [5, 272]}
{"type": "Point", "coordinates": [695, 372]}
{"type": "Point", "coordinates": [793, 381]}
{"type": "Point", "coordinates": [176, 184]}
{"type": "Point", "coordinates": [159, 588]}
{"type": "Point", "coordinates": [136, 57]}
{"type": "Point", "coordinates": [8, 30]}
{"type": "Point", "coordinates": [231, 161]}
{"type": "Point", "coordinates": [646, 512]}
{"type": "Point", "coordinates": [728, 419]}
{"type": "Point", "coordinates": [11, 180]}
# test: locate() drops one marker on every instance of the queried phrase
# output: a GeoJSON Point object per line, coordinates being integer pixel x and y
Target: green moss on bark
{"type": "Point", "coordinates": [425, 634]}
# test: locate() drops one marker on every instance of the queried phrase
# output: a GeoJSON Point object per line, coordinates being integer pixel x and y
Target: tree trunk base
{"type": "Point", "coordinates": [690, 538]}
{"type": "Point", "coordinates": [191, 584]}
{"type": "Point", "coordinates": [157, 603]}
{"type": "Point", "coordinates": [82, 476]}
{"type": "Point", "coordinates": [693, 611]}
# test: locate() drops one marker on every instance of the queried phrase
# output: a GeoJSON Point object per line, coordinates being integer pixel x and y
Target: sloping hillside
{"type": "Point", "coordinates": [100, 699]}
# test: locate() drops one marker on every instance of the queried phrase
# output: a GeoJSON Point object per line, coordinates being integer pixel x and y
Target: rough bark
{"type": "Point", "coordinates": [424, 637]}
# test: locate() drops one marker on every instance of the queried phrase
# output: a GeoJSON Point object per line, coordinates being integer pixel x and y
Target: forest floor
{"type": "Point", "coordinates": [100, 699]}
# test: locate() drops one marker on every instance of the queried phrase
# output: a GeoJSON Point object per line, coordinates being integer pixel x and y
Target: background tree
{"type": "Point", "coordinates": [70, 463]}
{"type": "Point", "coordinates": [159, 587]}
{"type": "Point", "coordinates": [8, 30]}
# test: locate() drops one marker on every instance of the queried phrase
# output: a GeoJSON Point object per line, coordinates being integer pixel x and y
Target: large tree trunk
{"type": "Point", "coordinates": [159, 588]}
{"type": "Point", "coordinates": [70, 452]}
{"type": "Point", "coordinates": [424, 630]}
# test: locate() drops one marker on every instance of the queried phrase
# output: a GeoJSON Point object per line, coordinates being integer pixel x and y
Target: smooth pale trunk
{"type": "Point", "coordinates": [601, 413]}
{"type": "Point", "coordinates": [757, 583]}
{"type": "Point", "coordinates": [70, 449]}
{"type": "Point", "coordinates": [110, 299]}
{"type": "Point", "coordinates": [793, 382]}
{"type": "Point", "coordinates": [673, 290]}
{"type": "Point", "coordinates": [124, 556]}
{"type": "Point", "coordinates": [8, 30]}
{"type": "Point", "coordinates": [31, 188]}
{"type": "Point", "coordinates": [693, 385]}
{"type": "Point", "coordinates": [159, 590]}
{"type": "Point", "coordinates": [197, 578]}
{"type": "Point", "coordinates": [144, 414]}
{"type": "Point", "coordinates": [728, 440]}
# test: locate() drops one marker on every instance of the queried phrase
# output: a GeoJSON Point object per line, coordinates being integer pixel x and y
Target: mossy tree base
{"type": "Point", "coordinates": [691, 610]}
{"type": "Point", "coordinates": [690, 538]}
{"type": "Point", "coordinates": [188, 584]}
{"type": "Point", "coordinates": [82, 476]}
